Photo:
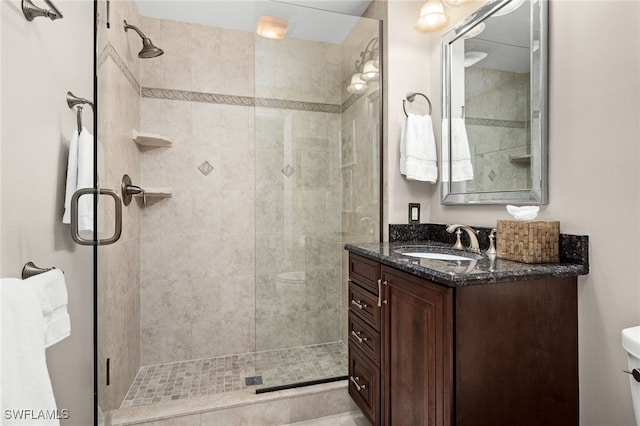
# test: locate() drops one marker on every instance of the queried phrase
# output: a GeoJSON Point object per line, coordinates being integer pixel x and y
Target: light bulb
{"type": "Point", "coordinates": [370, 72]}
{"type": "Point", "coordinates": [358, 85]}
{"type": "Point", "coordinates": [432, 16]}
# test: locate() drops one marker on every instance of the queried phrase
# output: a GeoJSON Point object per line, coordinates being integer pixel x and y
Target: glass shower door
{"type": "Point", "coordinates": [306, 176]}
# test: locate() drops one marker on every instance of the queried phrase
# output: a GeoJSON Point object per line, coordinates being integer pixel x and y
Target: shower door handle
{"type": "Point", "coordinates": [75, 234]}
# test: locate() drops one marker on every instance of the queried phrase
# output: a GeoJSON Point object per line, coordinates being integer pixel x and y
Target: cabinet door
{"type": "Point", "coordinates": [417, 357]}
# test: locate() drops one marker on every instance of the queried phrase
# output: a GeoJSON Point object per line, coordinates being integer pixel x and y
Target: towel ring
{"type": "Point", "coordinates": [410, 97]}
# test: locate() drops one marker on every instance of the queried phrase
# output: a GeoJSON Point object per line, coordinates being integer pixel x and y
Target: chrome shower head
{"type": "Point", "coordinates": [148, 49]}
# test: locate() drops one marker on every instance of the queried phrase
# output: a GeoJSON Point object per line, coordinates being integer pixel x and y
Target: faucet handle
{"type": "Point", "coordinates": [458, 245]}
{"type": "Point", "coordinates": [492, 242]}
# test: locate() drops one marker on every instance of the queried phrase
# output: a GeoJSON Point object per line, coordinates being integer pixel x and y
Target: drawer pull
{"type": "Point", "coordinates": [359, 304]}
{"type": "Point", "coordinates": [355, 381]}
{"type": "Point", "coordinates": [379, 292]}
{"type": "Point", "coordinates": [357, 334]}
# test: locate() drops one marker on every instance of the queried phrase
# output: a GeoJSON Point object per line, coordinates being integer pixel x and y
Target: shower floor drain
{"type": "Point", "coordinates": [253, 380]}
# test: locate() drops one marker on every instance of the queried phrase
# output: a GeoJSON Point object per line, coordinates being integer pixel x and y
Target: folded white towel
{"type": "Point", "coordinates": [52, 289]}
{"type": "Point", "coordinates": [461, 167]}
{"type": "Point", "coordinates": [418, 158]}
{"type": "Point", "coordinates": [25, 378]}
{"type": "Point", "coordinates": [79, 176]}
{"type": "Point", "coordinates": [72, 177]}
{"type": "Point", "coordinates": [85, 180]}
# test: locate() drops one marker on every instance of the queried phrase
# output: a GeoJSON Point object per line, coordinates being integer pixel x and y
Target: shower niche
{"type": "Point", "coordinates": [238, 282]}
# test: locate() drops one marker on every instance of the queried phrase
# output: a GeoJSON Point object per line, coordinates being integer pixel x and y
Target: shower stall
{"type": "Point", "coordinates": [255, 166]}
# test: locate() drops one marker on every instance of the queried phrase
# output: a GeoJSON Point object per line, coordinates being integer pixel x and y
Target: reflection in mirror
{"type": "Point", "coordinates": [494, 105]}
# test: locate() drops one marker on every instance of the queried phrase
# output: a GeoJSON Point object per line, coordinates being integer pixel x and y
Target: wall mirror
{"type": "Point", "coordinates": [494, 105]}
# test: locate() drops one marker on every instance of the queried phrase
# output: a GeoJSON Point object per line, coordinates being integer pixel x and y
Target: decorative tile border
{"type": "Point", "coordinates": [110, 52]}
{"type": "Point", "coordinates": [297, 105]}
{"type": "Point", "coordinates": [216, 98]}
{"type": "Point", "coordinates": [488, 122]}
{"type": "Point", "coordinates": [350, 101]}
{"type": "Point", "coordinates": [184, 95]}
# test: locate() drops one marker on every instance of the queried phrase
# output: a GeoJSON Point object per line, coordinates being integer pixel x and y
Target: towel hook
{"type": "Point", "coordinates": [30, 269]}
{"type": "Point", "coordinates": [75, 101]}
{"type": "Point", "coordinates": [411, 97]}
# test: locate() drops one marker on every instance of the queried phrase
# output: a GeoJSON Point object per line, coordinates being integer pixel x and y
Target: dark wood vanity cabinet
{"type": "Point", "coordinates": [473, 355]}
{"type": "Point", "coordinates": [365, 320]}
{"type": "Point", "coordinates": [417, 354]}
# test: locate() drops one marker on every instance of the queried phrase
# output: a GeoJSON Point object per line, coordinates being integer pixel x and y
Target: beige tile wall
{"type": "Point", "coordinates": [244, 258]}
{"type": "Point", "coordinates": [118, 264]}
{"type": "Point", "coordinates": [492, 94]}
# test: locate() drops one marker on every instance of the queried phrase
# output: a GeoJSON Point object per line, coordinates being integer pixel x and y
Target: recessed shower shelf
{"type": "Point", "coordinates": [149, 139]}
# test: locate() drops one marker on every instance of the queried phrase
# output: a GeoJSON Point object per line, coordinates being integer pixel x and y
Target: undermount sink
{"type": "Point", "coordinates": [428, 253]}
{"type": "Point", "coordinates": [437, 256]}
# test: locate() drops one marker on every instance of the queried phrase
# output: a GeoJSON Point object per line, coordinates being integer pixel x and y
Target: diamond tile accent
{"type": "Point", "coordinates": [205, 168]}
{"type": "Point", "coordinates": [492, 175]}
{"type": "Point", "coordinates": [288, 171]}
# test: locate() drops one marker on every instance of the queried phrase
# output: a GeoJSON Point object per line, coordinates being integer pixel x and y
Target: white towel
{"type": "Point", "coordinates": [418, 158]}
{"type": "Point", "coordinates": [79, 176]}
{"type": "Point", "coordinates": [27, 391]}
{"type": "Point", "coordinates": [461, 167]}
{"type": "Point", "coordinates": [72, 177]}
{"type": "Point", "coordinates": [52, 289]}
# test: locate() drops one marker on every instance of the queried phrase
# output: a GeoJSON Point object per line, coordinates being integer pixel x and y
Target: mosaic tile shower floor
{"type": "Point", "coordinates": [178, 380]}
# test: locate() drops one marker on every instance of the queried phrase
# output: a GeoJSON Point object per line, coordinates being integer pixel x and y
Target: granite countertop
{"type": "Point", "coordinates": [482, 269]}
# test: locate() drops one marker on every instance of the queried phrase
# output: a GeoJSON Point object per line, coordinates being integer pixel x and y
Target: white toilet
{"type": "Point", "coordinates": [631, 343]}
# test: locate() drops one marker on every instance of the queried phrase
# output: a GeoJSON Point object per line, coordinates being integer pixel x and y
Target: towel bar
{"type": "Point", "coordinates": [410, 97]}
{"type": "Point", "coordinates": [30, 269]}
{"type": "Point", "coordinates": [32, 11]}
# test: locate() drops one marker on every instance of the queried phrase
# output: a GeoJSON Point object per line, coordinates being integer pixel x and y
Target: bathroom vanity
{"type": "Point", "coordinates": [482, 341]}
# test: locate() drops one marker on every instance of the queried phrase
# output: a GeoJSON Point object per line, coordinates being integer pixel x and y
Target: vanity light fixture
{"type": "Point", "coordinates": [358, 85]}
{"type": "Point", "coordinates": [272, 27]}
{"type": "Point", "coordinates": [432, 16]}
{"type": "Point", "coordinates": [367, 68]}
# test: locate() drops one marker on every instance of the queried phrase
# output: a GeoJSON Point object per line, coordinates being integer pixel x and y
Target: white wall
{"type": "Point", "coordinates": [41, 60]}
{"type": "Point", "coordinates": [594, 140]}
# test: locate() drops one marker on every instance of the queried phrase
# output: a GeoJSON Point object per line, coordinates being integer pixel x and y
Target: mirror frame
{"type": "Point", "coordinates": [538, 194]}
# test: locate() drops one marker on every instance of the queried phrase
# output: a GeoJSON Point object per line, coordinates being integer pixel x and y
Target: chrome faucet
{"type": "Point", "coordinates": [472, 233]}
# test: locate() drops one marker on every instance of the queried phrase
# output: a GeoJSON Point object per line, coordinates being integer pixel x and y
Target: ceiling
{"type": "Point", "coordinates": [321, 20]}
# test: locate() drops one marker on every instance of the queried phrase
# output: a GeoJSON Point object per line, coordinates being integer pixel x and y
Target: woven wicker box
{"type": "Point", "coordinates": [529, 241]}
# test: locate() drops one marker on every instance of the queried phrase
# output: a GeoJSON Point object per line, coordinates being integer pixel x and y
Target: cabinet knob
{"type": "Point", "coordinates": [355, 381]}
{"type": "Point", "coordinates": [359, 304]}
{"type": "Point", "coordinates": [635, 373]}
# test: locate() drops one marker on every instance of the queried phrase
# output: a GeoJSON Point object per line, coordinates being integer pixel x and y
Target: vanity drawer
{"type": "Point", "coordinates": [364, 385]}
{"type": "Point", "coordinates": [364, 338]}
{"type": "Point", "coordinates": [365, 272]}
{"type": "Point", "coordinates": [365, 305]}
